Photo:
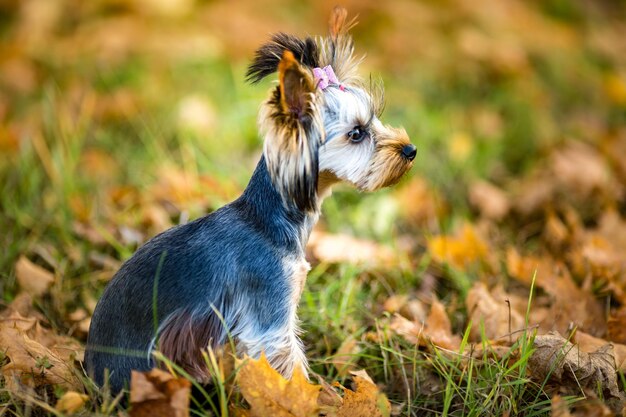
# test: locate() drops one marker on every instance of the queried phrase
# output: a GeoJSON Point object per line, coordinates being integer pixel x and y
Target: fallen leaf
{"type": "Point", "coordinates": [615, 88]}
{"type": "Point", "coordinates": [589, 344]}
{"type": "Point", "coordinates": [562, 363]}
{"type": "Point", "coordinates": [460, 146]}
{"type": "Point", "coordinates": [329, 400]}
{"type": "Point", "coordinates": [32, 364]}
{"type": "Point", "coordinates": [336, 248]}
{"type": "Point", "coordinates": [32, 278]}
{"type": "Point", "coordinates": [460, 250]}
{"type": "Point", "coordinates": [436, 330]}
{"type": "Point", "coordinates": [616, 325]}
{"type": "Point", "coordinates": [580, 169]}
{"type": "Point", "coordinates": [559, 407]}
{"type": "Point", "coordinates": [552, 276]}
{"type": "Point", "coordinates": [489, 311]}
{"type": "Point", "coordinates": [491, 202]}
{"type": "Point", "coordinates": [365, 401]}
{"type": "Point", "coordinates": [158, 393]}
{"type": "Point", "coordinates": [71, 402]}
{"type": "Point", "coordinates": [269, 394]}
{"type": "Point", "coordinates": [420, 203]}
{"type": "Point", "coordinates": [588, 407]}
{"type": "Point", "coordinates": [346, 356]}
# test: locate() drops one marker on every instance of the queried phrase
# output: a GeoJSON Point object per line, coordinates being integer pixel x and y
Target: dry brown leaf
{"type": "Point", "coordinates": [616, 325]}
{"type": "Point", "coordinates": [554, 279]}
{"type": "Point", "coordinates": [489, 310]}
{"type": "Point", "coordinates": [555, 232]}
{"type": "Point", "coordinates": [269, 394]}
{"type": "Point", "coordinates": [365, 401]}
{"type": "Point", "coordinates": [336, 248]}
{"type": "Point", "coordinates": [32, 364]}
{"type": "Point", "coordinates": [420, 203]}
{"type": "Point", "coordinates": [559, 407]}
{"type": "Point", "coordinates": [71, 402]}
{"type": "Point", "coordinates": [329, 400]}
{"type": "Point", "coordinates": [157, 393]}
{"type": "Point", "coordinates": [491, 202]}
{"type": "Point", "coordinates": [565, 364]}
{"type": "Point", "coordinates": [32, 278]}
{"type": "Point", "coordinates": [589, 407]}
{"type": "Point", "coordinates": [436, 330]}
{"type": "Point", "coordinates": [580, 169]}
{"type": "Point", "coordinates": [21, 306]}
{"type": "Point", "coordinates": [589, 344]}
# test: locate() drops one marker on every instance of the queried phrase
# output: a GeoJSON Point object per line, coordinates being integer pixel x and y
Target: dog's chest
{"type": "Point", "coordinates": [296, 270]}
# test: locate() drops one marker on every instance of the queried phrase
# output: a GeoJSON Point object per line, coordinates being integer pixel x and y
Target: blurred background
{"type": "Point", "coordinates": [120, 118]}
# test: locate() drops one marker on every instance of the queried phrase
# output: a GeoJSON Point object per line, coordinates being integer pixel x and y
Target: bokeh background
{"type": "Point", "coordinates": [121, 118]}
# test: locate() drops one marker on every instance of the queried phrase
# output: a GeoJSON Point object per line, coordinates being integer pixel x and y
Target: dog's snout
{"type": "Point", "coordinates": [409, 151]}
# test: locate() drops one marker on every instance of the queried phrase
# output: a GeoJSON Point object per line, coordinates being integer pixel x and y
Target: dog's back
{"type": "Point", "coordinates": [188, 285]}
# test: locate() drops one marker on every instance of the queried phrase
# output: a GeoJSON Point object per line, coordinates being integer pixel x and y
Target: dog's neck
{"type": "Point", "coordinates": [282, 223]}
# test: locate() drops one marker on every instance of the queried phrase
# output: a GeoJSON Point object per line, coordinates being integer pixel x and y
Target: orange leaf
{"type": "Point", "coordinates": [365, 401]}
{"type": "Point", "coordinates": [466, 247]}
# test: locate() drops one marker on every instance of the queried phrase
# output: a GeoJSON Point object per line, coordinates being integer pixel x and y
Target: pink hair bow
{"type": "Point", "coordinates": [325, 76]}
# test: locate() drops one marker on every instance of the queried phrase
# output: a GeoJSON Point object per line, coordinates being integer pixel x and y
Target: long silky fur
{"type": "Point", "coordinates": [291, 150]}
{"type": "Point", "coordinates": [337, 49]}
{"type": "Point", "coordinates": [268, 56]}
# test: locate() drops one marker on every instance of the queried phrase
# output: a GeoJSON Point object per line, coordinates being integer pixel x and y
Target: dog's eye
{"type": "Point", "coordinates": [357, 134]}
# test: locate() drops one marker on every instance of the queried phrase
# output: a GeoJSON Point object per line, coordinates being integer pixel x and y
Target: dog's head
{"type": "Point", "coordinates": [322, 121]}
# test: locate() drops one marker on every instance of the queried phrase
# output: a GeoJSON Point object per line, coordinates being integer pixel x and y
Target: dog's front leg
{"type": "Point", "coordinates": [279, 341]}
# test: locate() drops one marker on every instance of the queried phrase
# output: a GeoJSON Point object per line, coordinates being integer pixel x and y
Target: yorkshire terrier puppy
{"type": "Point", "coordinates": [239, 271]}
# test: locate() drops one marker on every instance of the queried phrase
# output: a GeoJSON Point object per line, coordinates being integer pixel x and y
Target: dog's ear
{"type": "Point", "coordinates": [293, 134]}
{"type": "Point", "coordinates": [268, 56]}
{"type": "Point", "coordinates": [296, 87]}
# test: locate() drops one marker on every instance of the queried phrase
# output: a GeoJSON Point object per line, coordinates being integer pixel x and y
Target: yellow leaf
{"type": "Point", "coordinates": [615, 88]}
{"type": "Point", "coordinates": [466, 247]}
{"type": "Point", "coordinates": [460, 146]}
{"type": "Point", "coordinates": [71, 402]}
{"type": "Point", "coordinates": [269, 394]}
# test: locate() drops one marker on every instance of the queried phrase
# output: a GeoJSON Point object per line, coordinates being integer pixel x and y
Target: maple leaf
{"type": "Point", "coordinates": [269, 394]}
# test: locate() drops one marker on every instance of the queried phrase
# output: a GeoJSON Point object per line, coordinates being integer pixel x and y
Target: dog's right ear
{"type": "Point", "coordinates": [293, 129]}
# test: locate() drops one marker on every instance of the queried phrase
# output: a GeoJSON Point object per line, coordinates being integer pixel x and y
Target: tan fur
{"type": "Point", "coordinates": [337, 49]}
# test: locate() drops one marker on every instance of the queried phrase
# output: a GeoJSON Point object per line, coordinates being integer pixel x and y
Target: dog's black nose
{"type": "Point", "coordinates": [409, 151]}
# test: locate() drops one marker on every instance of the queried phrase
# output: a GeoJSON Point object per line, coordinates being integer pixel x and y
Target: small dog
{"type": "Point", "coordinates": [239, 271]}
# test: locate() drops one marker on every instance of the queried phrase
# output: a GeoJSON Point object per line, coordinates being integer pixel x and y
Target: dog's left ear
{"type": "Point", "coordinates": [294, 133]}
{"type": "Point", "coordinates": [296, 87]}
